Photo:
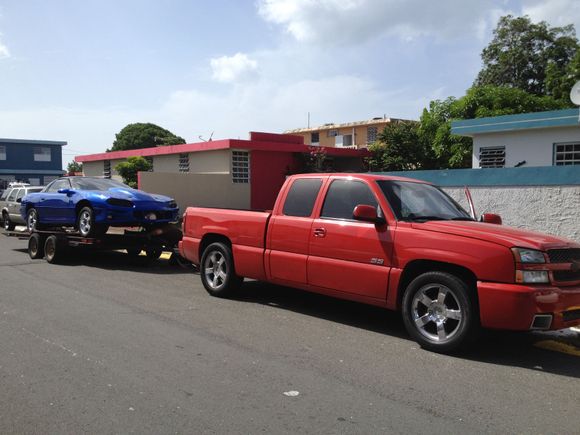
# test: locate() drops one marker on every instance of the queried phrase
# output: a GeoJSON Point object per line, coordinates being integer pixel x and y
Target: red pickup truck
{"type": "Point", "coordinates": [397, 243]}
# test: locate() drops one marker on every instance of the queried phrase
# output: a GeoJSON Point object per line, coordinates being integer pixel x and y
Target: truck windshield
{"type": "Point", "coordinates": [421, 202]}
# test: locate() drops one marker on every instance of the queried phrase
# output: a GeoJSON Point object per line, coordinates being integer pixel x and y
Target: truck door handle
{"type": "Point", "coordinates": [319, 232]}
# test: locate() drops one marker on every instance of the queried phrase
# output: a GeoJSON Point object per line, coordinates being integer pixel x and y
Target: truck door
{"type": "Point", "coordinates": [289, 231]}
{"type": "Point", "coordinates": [348, 255]}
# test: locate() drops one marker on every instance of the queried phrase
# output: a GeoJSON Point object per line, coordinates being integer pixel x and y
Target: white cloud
{"type": "Point", "coordinates": [4, 52]}
{"type": "Point", "coordinates": [353, 21]}
{"type": "Point", "coordinates": [228, 69]}
{"type": "Point", "coordinates": [555, 12]}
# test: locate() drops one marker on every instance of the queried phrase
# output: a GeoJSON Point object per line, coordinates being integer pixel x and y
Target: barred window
{"type": "Point", "coordinates": [184, 162]}
{"type": "Point", "coordinates": [492, 157]}
{"type": "Point", "coordinates": [240, 166]}
{"type": "Point", "coordinates": [372, 134]}
{"type": "Point", "coordinates": [566, 154]}
{"type": "Point", "coordinates": [314, 138]}
{"type": "Point", "coordinates": [332, 133]}
{"type": "Point", "coordinates": [106, 169]}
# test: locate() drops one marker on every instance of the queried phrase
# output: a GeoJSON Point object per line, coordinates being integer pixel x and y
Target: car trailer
{"type": "Point", "coordinates": [55, 244]}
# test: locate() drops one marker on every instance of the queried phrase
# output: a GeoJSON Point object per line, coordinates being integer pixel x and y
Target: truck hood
{"type": "Point", "coordinates": [499, 234]}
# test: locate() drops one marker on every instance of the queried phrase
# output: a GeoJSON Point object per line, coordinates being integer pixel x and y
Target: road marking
{"type": "Point", "coordinates": [558, 346]}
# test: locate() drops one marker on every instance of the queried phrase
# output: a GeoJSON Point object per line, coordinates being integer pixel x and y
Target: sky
{"type": "Point", "coordinates": [79, 71]}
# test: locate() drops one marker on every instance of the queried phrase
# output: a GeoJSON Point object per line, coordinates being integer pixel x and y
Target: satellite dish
{"type": "Point", "coordinates": [575, 94]}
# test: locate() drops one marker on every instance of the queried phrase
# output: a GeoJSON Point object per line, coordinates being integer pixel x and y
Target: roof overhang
{"type": "Point", "coordinates": [523, 121]}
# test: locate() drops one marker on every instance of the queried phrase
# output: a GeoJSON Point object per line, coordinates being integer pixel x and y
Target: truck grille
{"type": "Point", "coordinates": [566, 275]}
{"type": "Point", "coordinates": [564, 255]}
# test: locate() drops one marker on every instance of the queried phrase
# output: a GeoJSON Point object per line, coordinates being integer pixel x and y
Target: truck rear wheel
{"type": "Point", "coordinates": [218, 274]}
{"type": "Point", "coordinates": [439, 311]}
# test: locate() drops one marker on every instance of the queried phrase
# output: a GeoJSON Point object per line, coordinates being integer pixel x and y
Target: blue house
{"type": "Point", "coordinates": [31, 161]}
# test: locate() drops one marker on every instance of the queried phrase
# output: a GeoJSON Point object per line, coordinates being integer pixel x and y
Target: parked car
{"type": "Point", "coordinates": [91, 205]}
{"type": "Point", "coordinates": [397, 243]}
{"type": "Point", "coordinates": [10, 204]}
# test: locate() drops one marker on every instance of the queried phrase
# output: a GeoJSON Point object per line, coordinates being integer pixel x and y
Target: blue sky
{"type": "Point", "coordinates": [81, 70]}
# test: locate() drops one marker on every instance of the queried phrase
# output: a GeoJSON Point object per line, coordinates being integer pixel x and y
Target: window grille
{"type": "Point", "coordinates": [566, 154]}
{"type": "Point", "coordinates": [106, 169]}
{"type": "Point", "coordinates": [314, 138]}
{"type": "Point", "coordinates": [372, 134]}
{"type": "Point", "coordinates": [184, 162]}
{"type": "Point", "coordinates": [240, 166]}
{"type": "Point", "coordinates": [492, 157]}
{"type": "Point", "coordinates": [333, 132]}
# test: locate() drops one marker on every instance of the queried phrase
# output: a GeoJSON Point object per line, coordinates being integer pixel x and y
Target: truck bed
{"type": "Point", "coordinates": [245, 229]}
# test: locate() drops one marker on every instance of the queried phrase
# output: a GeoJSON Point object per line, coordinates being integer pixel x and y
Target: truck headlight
{"type": "Point", "coordinates": [532, 276]}
{"type": "Point", "coordinates": [527, 256]}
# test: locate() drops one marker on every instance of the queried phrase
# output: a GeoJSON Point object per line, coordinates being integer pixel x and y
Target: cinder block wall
{"type": "Point", "coordinates": [547, 209]}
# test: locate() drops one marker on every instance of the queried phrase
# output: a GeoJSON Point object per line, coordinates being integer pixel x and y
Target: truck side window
{"type": "Point", "coordinates": [301, 197]}
{"type": "Point", "coordinates": [343, 196]}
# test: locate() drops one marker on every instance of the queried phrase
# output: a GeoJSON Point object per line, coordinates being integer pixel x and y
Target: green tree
{"type": "Point", "coordinates": [480, 101]}
{"type": "Point", "coordinates": [530, 56]}
{"type": "Point", "coordinates": [144, 135]}
{"type": "Point", "coordinates": [128, 169]}
{"type": "Point", "coordinates": [399, 147]}
{"type": "Point", "coordinates": [73, 167]}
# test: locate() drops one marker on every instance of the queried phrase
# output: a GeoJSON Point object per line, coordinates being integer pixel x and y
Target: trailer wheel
{"type": "Point", "coordinates": [35, 246]}
{"type": "Point", "coordinates": [54, 250]}
{"type": "Point", "coordinates": [218, 274]}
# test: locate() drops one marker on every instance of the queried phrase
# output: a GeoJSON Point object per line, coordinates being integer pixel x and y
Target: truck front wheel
{"type": "Point", "coordinates": [438, 311]}
{"type": "Point", "coordinates": [218, 274]}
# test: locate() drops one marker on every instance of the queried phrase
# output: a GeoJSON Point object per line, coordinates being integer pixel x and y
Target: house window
{"type": "Point", "coordinates": [372, 134]}
{"type": "Point", "coordinates": [42, 154]}
{"type": "Point", "coordinates": [184, 162]}
{"type": "Point", "coordinates": [332, 133]}
{"type": "Point", "coordinates": [240, 166]}
{"type": "Point", "coordinates": [492, 157]}
{"type": "Point", "coordinates": [566, 154]}
{"type": "Point", "coordinates": [314, 138]}
{"type": "Point", "coordinates": [2, 152]}
{"type": "Point", "coordinates": [107, 168]}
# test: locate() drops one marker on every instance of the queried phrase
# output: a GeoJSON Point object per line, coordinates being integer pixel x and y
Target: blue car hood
{"type": "Point", "coordinates": [132, 194]}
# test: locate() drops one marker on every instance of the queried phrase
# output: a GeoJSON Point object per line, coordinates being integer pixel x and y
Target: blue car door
{"type": "Point", "coordinates": [53, 206]}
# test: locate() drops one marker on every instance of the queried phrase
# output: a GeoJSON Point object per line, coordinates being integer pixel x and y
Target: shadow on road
{"type": "Point", "coordinates": [506, 348]}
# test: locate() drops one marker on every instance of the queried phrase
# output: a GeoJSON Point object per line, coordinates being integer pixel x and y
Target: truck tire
{"type": "Point", "coordinates": [439, 311]}
{"type": "Point", "coordinates": [35, 246]}
{"type": "Point", "coordinates": [217, 271]}
{"type": "Point", "coordinates": [54, 249]}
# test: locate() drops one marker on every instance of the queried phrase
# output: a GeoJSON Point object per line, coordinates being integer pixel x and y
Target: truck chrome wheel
{"type": "Point", "coordinates": [218, 274]}
{"type": "Point", "coordinates": [440, 311]}
{"type": "Point", "coordinates": [436, 312]}
{"type": "Point", "coordinates": [215, 270]}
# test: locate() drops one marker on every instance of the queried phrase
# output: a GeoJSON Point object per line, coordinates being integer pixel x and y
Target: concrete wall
{"type": "Point", "coordinates": [95, 169]}
{"type": "Point", "coordinates": [535, 146]}
{"type": "Point", "coordinates": [359, 139]}
{"type": "Point", "coordinates": [202, 190]}
{"type": "Point", "coordinates": [547, 209]}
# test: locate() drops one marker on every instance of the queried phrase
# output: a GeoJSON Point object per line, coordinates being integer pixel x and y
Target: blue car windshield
{"type": "Point", "coordinates": [96, 184]}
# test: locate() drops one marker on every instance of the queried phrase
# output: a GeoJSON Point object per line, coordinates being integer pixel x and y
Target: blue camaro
{"type": "Point", "coordinates": [91, 205]}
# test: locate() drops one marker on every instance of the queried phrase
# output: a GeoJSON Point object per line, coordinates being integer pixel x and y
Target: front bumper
{"type": "Point", "coordinates": [132, 216]}
{"type": "Point", "coordinates": [514, 306]}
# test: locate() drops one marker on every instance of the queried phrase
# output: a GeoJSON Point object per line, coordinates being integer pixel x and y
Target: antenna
{"type": "Point", "coordinates": [575, 95]}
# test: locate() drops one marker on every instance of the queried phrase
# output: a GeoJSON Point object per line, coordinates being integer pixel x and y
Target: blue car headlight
{"type": "Point", "coordinates": [171, 204]}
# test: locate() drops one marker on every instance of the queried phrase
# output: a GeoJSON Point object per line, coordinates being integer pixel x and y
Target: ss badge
{"type": "Point", "coordinates": [375, 260]}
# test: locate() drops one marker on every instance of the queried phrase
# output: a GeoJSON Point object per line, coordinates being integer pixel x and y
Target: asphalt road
{"type": "Point", "coordinates": [106, 344]}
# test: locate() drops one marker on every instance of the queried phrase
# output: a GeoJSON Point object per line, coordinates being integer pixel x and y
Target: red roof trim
{"type": "Point", "coordinates": [259, 145]}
